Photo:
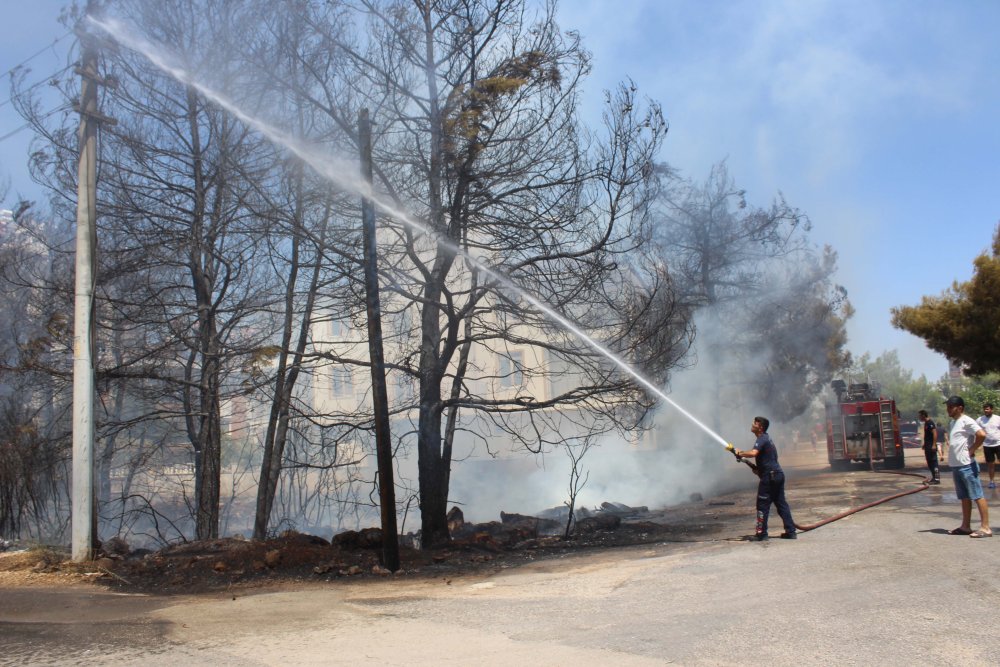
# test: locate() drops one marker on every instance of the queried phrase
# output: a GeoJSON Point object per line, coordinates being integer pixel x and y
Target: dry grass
{"type": "Point", "coordinates": [43, 566]}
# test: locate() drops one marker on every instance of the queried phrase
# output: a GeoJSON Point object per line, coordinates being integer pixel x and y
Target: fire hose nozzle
{"type": "Point", "coordinates": [731, 447]}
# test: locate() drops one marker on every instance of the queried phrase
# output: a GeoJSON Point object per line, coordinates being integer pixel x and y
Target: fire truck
{"type": "Point", "coordinates": [862, 426]}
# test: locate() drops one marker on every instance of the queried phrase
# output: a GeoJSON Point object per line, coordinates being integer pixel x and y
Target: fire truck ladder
{"type": "Point", "coordinates": [837, 433]}
{"type": "Point", "coordinates": [888, 435]}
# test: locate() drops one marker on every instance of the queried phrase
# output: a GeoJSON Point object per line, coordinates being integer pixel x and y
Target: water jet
{"type": "Point", "coordinates": [347, 175]}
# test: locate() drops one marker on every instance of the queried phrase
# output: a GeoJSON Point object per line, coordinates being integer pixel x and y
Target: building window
{"type": "Point", "coordinates": [510, 369]}
{"type": "Point", "coordinates": [339, 328]}
{"type": "Point", "coordinates": [340, 382]}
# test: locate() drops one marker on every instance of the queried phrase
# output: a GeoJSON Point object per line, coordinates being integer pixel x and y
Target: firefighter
{"type": "Point", "coordinates": [771, 488]}
{"type": "Point", "coordinates": [930, 446]}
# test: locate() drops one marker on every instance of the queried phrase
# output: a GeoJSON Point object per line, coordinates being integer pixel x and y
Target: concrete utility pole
{"type": "Point", "coordinates": [84, 526]}
{"type": "Point", "coordinates": [380, 399]}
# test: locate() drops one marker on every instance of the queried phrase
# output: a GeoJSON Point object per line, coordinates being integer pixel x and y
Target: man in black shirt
{"type": "Point", "coordinates": [771, 488]}
{"type": "Point", "coordinates": [930, 446]}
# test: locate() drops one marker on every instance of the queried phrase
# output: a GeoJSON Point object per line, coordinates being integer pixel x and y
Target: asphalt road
{"type": "Point", "coordinates": [887, 586]}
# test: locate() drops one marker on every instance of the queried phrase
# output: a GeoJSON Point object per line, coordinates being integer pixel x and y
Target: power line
{"type": "Point", "coordinates": [47, 79]}
{"type": "Point", "coordinates": [40, 52]}
{"type": "Point", "coordinates": [27, 125]}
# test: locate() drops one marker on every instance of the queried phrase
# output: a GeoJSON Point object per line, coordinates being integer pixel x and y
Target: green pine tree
{"type": "Point", "coordinates": [963, 323]}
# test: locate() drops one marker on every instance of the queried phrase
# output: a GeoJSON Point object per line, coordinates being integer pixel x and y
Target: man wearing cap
{"type": "Point", "coordinates": [965, 436]}
{"type": "Point", "coordinates": [771, 488]}
{"type": "Point", "coordinates": [990, 423]}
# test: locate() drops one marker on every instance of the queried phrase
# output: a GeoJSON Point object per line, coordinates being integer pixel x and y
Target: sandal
{"type": "Point", "coordinates": [960, 531]}
{"type": "Point", "coordinates": [981, 533]}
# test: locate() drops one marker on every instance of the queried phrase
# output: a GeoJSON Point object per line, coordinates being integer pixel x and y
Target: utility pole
{"type": "Point", "coordinates": [84, 510]}
{"type": "Point", "coordinates": [380, 399]}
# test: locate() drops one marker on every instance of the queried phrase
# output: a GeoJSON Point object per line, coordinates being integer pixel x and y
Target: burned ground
{"type": "Point", "coordinates": [486, 548]}
{"type": "Point", "coordinates": [291, 558]}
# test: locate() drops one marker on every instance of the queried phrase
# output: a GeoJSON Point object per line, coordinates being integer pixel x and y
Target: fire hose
{"type": "Point", "coordinates": [853, 510]}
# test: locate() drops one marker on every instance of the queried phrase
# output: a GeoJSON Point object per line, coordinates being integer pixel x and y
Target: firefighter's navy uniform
{"type": "Point", "coordinates": [771, 488]}
{"type": "Point", "coordinates": [930, 450]}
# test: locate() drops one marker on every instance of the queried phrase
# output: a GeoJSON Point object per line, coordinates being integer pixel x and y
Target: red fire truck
{"type": "Point", "coordinates": [862, 426]}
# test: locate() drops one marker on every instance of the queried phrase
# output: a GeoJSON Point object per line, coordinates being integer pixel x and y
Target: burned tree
{"type": "Point", "coordinates": [491, 190]}
{"type": "Point", "coordinates": [180, 290]}
{"type": "Point", "coordinates": [475, 105]}
{"type": "Point", "coordinates": [34, 375]}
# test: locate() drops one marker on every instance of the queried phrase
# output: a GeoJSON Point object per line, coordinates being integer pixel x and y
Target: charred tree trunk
{"type": "Point", "coordinates": [205, 428]}
{"type": "Point", "coordinates": [430, 464]}
{"type": "Point", "coordinates": [286, 376]}
{"type": "Point", "coordinates": [431, 467]}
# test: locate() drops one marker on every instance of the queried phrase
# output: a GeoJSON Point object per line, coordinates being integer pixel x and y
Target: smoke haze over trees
{"type": "Point", "coordinates": [911, 394]}
{"type": "Point", "coordinates": [34, 381]}
{"type": "Point", "coordinates": [229, 285]}
{"type": "Point", "coordinates": [772, 320]}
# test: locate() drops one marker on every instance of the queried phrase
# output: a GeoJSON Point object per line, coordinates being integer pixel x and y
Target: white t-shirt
{"type": "Point", "coordinates": [961, 435]}
{"type": "Point", "coordinates": [992, 428]}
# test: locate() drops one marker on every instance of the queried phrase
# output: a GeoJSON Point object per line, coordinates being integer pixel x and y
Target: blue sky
{"type": "Point", "coordinates": [30, 27]}
{"type": "Point", "coordinates": [879, 119]}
